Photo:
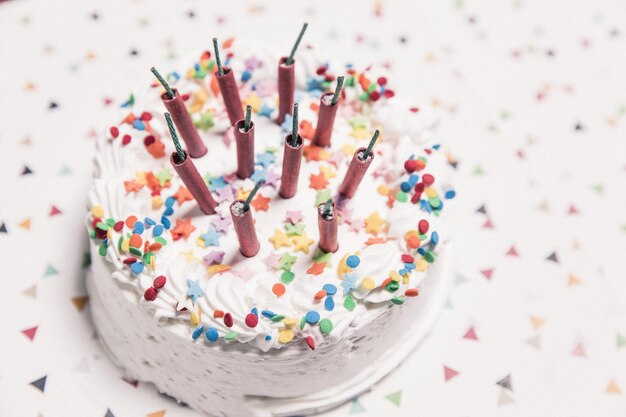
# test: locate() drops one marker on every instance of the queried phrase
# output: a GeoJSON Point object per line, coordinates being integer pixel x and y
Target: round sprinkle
{"type": "Point", "coordinates": [413, 242]}
{"type": "Point", "coordinates": [412, 292]}
{"type": "Point", "coordinates": [130, 221]}
{"type": "Point", "coordinates": [159, 282]}
{"type": "Point", "coordinates": [211, 334]}
{"type": "Point", "coordinates": [287, 276]}
{"type": "Point", "coordinates": [312, 317]}
{"type": "Point", "coordinates": [252, 320]}
{"type": "Point", "coordinates": [410, 165]}
{"type": "Point", "coordinates": [278, 289]}
{"type": "Point", "coordinates": [290, 321]}
{"type": "Point", "coordinates": [218, 314]}
{"type": "Point", "coordinates": [228, 320]}
{"type": "Point", "coordinates": [137, 267]}
{"type": "Point", "coordinates": [429, 257]}
{"type": "Point", "coordinates": [428, 179]}
{"type": "Point", "coordinates": [406, 258]}
{"type": "Point", "coordinates": [326, 326]}
{"type": "Point", "coordinates": [97, 211]}
{"type": "Point", "coordinates": [422, 226]}
{"type": "Point", "coordinates": [434, 238]}
{"type": "Point", "coordinates": [406, 186]}
{"type": "Point", "coordinates": [353, 261]}
{"type": "Point", "coordinates": [349, 303]}
{"type": "Point", "coordinates": [383, 189]}
{"type": "Point", "coordinates": [450, 194]}
{"type": "Point", "coordinates": [285, 336]}
{"type": "Point", "coordinates": [230, 336]}
{"type": "Point", "coordinates": [368, 283]}
{"type": "Point", "coordinates": [329, 304]}
{"type": "Point", "coordinates": [138, 227]}
{"type": "Point", "coordinates": [330, 289]}
{"type": "Point", "coordinates": [157, 231]}
{"type": "Point", "coordinates": [196, 333]}
{"type": "Point", "coordinates": [310, 342]}
{"type": "Point", "coordinates": [150, 294]}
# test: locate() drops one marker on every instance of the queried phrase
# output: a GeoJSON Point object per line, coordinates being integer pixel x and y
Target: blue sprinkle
{"type": "Point", "coordinates": [413, 179]}
{"type": "Point", "coordinates": [437, 146]}
{"type": "Point", "coordinates": [403, 271]}
{"type": "Point", "coordinates": [312, 317]}
{"type": "Point", "coordinates": [149, 221]}
{"type": "Point", "coordinates": [425, 206]}
{"type": "Point", "coordinates": [421, 251]}
{"type": "Point", "coordinates": [166, 222]}
{"type": "Point", "coordinates": [158, 230]}
{"type": "Point", "coordinates": [255, 311]}
{"type": "Point", "coordinates": [211, 334]}
{"type": "Point", "coordinates": [268, 337]}
{"type": "Point", "coordinates": [267, 313]}
{"type": "Point", "coordinates": [139, 228]}
{"type": "Point", "coordinates": [169, 201]}
{"type": "Point", "coordinates": [405, 186]}
{"type": "Point", "coordinates": [137, 267]}
{"type": "Point", "coordinates": [409, 266]}
{"type": "Point", "coordinates": [330, 289]}
{"type": "Point", "coordinates": [434, 238]}
{"type": "Point", "coordinates": [105, 241]}
{"type": "Point", "coordinates": [353, 261]}
{"type": "Point", "coordinates": [329, 304]}
{"type": "Point", "coordinates": [450, 194]}
{"type": "Point", "coordinates": [138, 124]}
{"type": "Point", "coordinates": [245, 76]}
{"type": "Point", "coordinates": [196, 333]}
{"type": "Point", "coordinates": [175, 75]}
{"type": "Point", "coordinates": [168, 211]}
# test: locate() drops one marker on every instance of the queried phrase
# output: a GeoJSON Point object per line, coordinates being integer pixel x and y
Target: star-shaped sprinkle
{"type": "Point", "coordinates": [216, 183]}
{"type": "Point", "coordinates": [271, 261]}
{"type": "Point", "coordinates": [294, 229]}
{"type": "Point", "coordinates": [254, 101]}
{"type": "Point", "coordinates": [374, 223]}
{"type": "Point", "coordinates": [279, 239]}
{"type": "Point", "coordinates": [294, 216]}
{"type": "Point", "coordinates": [213, 258]}
{"type": "Point", "coordinates": [328, 171]}
{"type": "Point", "coordinates": [286, 261]}
{"type": "Point", "coordinates": [260, 203]}
{"type": "Point", "coordinates": [164, 176]}
{"type": "Point", "coordinates": [322, 197]}
{"type": "Point", "coordinates": [183, 195]}
{"type": "Point", "coordinates": [203, 121]}
{"type": "Point", "coordinates": [194, 291]}
{"type": "Point", "coordinates": [189, 256]}
{"type": "Point", "coordinates": [265, 159]}
{"type": "Point", "coordinates": [183, 229]}
{"type": "Point", "coordinates": [221, 224]}
{"type": "Point", "coordinates": [302, 243]}
{"type": "Point", "coordinates": [225, 194]}
{"type": "Point", "coordinates": [258, 175]}
{"type": "Point", "coordinates": [356, 225]}
{"type": "Point", "coordinates": [210, 238]}
{"type": "Point", "coordinates": [317, 268]}
{"type": "Point", "coordinates": [318, 181]}
{"type": "Point", "coordinates": [265, 111]}
{"type": "Point", "coordinates": [271, 178]}
{"type": "Point", "coordinates": [349, 283]}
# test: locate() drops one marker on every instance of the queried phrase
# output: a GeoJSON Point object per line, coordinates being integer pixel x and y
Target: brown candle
{"type": "Point", "coordinates": [361, 160]}
{"type": "Point", "coordinates": [244, 224]}
{"type": "Point", "coordinates": [287, 80]}
{"type": "Point", "coordinates": [228, 88]}
{"type": "Point", "coordinates": [327, 225]}
{"type": "Point", "coordinates": [329, 102]}
{"type": "Point", "coordinates": [292, 158]}
{"type": "Point", "coordinates": [244, 138]}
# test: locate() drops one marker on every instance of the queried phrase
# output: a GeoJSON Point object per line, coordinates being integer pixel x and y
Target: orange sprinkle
{"type": "Point", "coordinates": [413, 242]}
{"type": "Point", "coordinates": [218, 314]}
{"type": "Point", "coordinates": [278, 289]}
{"type": "Point", "coordinates": [135, 240]}
{"type": "Point", "coordinates": [130, 221]}
{"type": "Point", "coordinates": [319, 295]}
{"type": "Point", "coordinates": [155, 247]}
{"type": "Point", "coordinates": [412, 292]}
{"type": "Point", "coordinates": [385, 282]}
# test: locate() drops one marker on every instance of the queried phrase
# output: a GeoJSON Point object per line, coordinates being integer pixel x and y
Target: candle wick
{"type": "Point", "coordinates": [294, 126]}
{"type": "Point", "coordinates": [368, 151]}
{"type": "Point", "coordinates": [289, 60]}
{"type": "Point", "coordinates": [179, 149]}
{"type": "Point", "coordinates": [326, 211]}
{"type": "Point", "coordinates": [164, 83]}
{"type": "Point", "coordinates": [246, 205]}
{"type": "Point", "coordinates": [337, 91]}
{"type": "Point", "coordinates": [220, 69]}
{"type": "Point", "coordinates": [246, 125]}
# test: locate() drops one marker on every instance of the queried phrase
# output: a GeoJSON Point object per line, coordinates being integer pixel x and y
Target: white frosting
{"type": "Point", "coordinates": [247, 283]}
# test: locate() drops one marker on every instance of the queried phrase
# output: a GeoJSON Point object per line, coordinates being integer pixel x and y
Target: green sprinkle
{"type": "Point", "coordinates": [401, 197]}
{"type": "Point", "coordinates": [102, 250]}
{"type": "Point", "coordinates": [302, 322]}
{"type": "Point", "coordinates": [103, 226]}
{"type": "Point", "coordinates": [230, 336]}
{"type": "Point", "coordinates": [397, 300]}
{"type": "Point", "coordinates": [92, 233]}
{"type": "Point", "coordinates": [135, 251]}
{"type": "Point", "coordinates": [119, 243]}
{"type": "Point", "coordinates": [278, 317]}
{"type": "Point", "coordinates": [111, 222]}
{"type": "Point", "coordinates": [146, 257]}
{"type": "Point", "coordinates": [349, 303]}
{"type": "Point", "coordinates": [287, 276]}
{"type": "Point", "coordinates": [326, 326]}
{"type": "Point", "coordinates": [392, 286]}
{"type": "Point", "coordinates": [429, 257]}
{"type": "Point", "coordinates": [371, 88]}
{"type": "Point", "coordinates": [160, 240]}
{"type": "Point", "coordinates": [350, 82]}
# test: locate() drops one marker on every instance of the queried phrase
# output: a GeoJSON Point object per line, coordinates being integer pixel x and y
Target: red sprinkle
{"type": "Point", "coordinates": [126, 140]}
{"type": "Point", "coordinates": [320, 70]}
{"type": "Point", "coordinates": [114, 131]}
{"type": "Point", "coordinates": [129, 261]}
{"type": "Point", "coordinates": [422, 226]}
{"type": "Point", "coordinates": [310, 342]}
{"type": "Point", "coordinates": [419, 187]}
{"type": "Point", "coordinates": [382, 81]}
{"type": "Point", "coordinates": [228, 320]}
{"type": "Point", "coordinates": [218, 314]}
{"type": "Point", "coordinates": [159, 282]}
{"type": "Point", "coordinates": [428, 179]}
{"type": "Point", "coordinates": [251, 320]}
{"type": "Point", "coordinates": [374, 95]}
{"type": "Point", "coordinates": [148, 140]}
{"type": "Point", "coordinates": [407, 259]}
{"type": "Point", "coordinates": [118, 226]}
{"type": "Point", "coordinates": [146, 116]}
{"type": "Point", "coordinates": [319, 295]}
{"type": "Point", "coordinates": [150, 294]}
{"type": "Point", "coordinates": [389, 93]}
{"type": "Point", "coordinates": [410, 165]}
{"type": "Point", "coordinates": [412, 292]}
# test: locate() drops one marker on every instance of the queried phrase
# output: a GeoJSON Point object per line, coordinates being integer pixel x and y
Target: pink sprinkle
{"type": "Point", "coordinates": [251, 320]}
{"type": "Point", "coordinates": [407, 259]}
{"type": "Point", "coordinates": [428, 179]}
{"type": "Point", "coordinates": [423, 226]}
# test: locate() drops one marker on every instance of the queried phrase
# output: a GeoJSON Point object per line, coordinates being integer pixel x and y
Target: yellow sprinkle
{"type": "Point", "coordinates": [431, 192]}
{"type": "Point", "coordinates": [368, 283]}
{"type": "Point", "coordinates": [97, 211]}
{"type": "Point", "coordinates": [342, 268]}
{"type": "Point", "coordinates": [141, 178]}
{"type": "Point", "coordinates": [110, 234]}
{"type": "Point", "coordinates": [405, 278]}
{"type": "Point", "coordinates": [395, 276]}
{"type": "Point", "coordinates": [410, 233]}
{"type": "Point", "coordinates": [285, 336]}
{"type": "Point", "coordinates": [348, 149]}
{"type": "Point", "coordinates": [200, 242]}
{"type": "Point", "coordinates": [383, 189]}
{"type": "Point", "coordinates": [214, 269]}
{"type": "Point", "coordinates": [195, 318]}
{"type": "Point", "coordinates": [152, 262]}
{"type": "Point", "coordinates": [421, 265]}
{"type": "Point", "coordinates": [125, 245]}
{"type": "Point", "coordinates": [290, 321]}
{"type": "Point", "coordinates": [157, 202]}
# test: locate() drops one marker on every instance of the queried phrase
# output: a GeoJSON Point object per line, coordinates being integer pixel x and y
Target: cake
{"type": "Point", "coordinates": [292, 330]}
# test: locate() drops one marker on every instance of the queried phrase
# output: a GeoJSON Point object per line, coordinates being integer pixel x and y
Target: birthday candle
{"type": "Point", "coordinates": [228, 88]}
{"type": "Point", "coordinates": [329, 102]}
{"type": "Point", "coordinates": [361, 160]}
{"type": "Point", "coordinates": [244, 138]}
{"type": "Point", "coordinates": [244, 224]}
{"type": "Point", "coordinates": [287, 80]}
{"type": "Point", "coordinates": [189, 173]}
{"type": "Point", "coordinates": [176, 107]}
{"type": "Point", "coordinates": [327, 225]}
{"type": "Point", "coordinates": [292, 157]}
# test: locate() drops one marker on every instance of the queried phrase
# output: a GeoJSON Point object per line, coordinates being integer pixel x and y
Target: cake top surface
{"type": "Point", "coordinates": [185, 268]}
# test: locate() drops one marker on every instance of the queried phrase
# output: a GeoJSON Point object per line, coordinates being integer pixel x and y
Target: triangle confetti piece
{"type": "Point", "coordinates": [482, 210]}
{"type": "Point", "coordinates": [50, 270]}
{"type": "Point", "coordinates": [572, 280]}
{"type": "Point", "coordinates": [31, 291]}
{"type": "Point", "coordinates": [613, 388]}
{"type": "Point", "coordinates": [579, 350]}
{"type": "Point", "coordinates": [537, 322]}
{"type": "Point", "coordinates": [534, 342]}
{"type": "Point", "coordinates": [487, 273]}
{"type": "Point", "coordinates": [621, 340]}
{"type": "Point", "coordinates": [470, 334]}
{"type": "Point", "coordinates": [553, 257]}
{"type": "Point", "coordinates": [109, 413]}
{"type": "Point", "coordinates": [79, 302]}
{"type": "Point", "coordinates": [395, 397]}
{"type": "Point", "coordinates": [30, 332]}
{"type": "Point", "coordinates": [488, 224]}
{"type": "Point", "coordinates": [25, 224]}
{"type": "Point", "coordinates": [40, 383]}
{"type": "Point", "coordinates": [512, 252]}
{"type": "Point", "coordinates": [449, 373]}
{"type": "Point", "coordinates": [65, 170]}
{"type": "Point", "coordinates": [54, 211]}
{"type": "Point", "coordinates": [26, 170]}
{"type": "Point", "coordinates": [506, 382]}
{"type": "Point", "coordinates": [504, 399]}
{"type": "Point", "coordinates": [3, 228]}
{"type": "Point", "coordinates": [356, 407]}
